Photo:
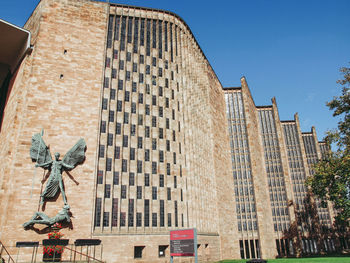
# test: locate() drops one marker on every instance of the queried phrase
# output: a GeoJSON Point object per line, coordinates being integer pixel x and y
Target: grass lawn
{"type": "Point", "coordinates": [297, 260]}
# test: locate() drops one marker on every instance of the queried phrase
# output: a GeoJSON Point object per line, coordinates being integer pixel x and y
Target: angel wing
{"type": "Point", "coordinates": [76, 155]}
{"type": "Point", "coordinates": [39, 152]}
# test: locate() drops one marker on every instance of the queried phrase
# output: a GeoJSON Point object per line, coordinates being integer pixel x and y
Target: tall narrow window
{"type": "Point", "coordinates": [115, 212]}
{"type": "Point", "coordinates": [129, 29]}
{"type": "Point", "coordinates": [146, 212]}
{"type": "Point", "coordinates": [176, 215]}
{"type": "Point", "coordinates": [122, 33]}
{"type": "Point", "coordinates": [161, 213]}
{"type": "Point", "coordinates": [110, 139]}
{"type": "Point", "coordinates": [98, 207]}
{"type": "Point", "coordinates": [154, 35]}
{"type": "Point", "coordinates": [148, 37]}
{"type": "Point", "coordinates": [116, 178]}
{"type": "Point", "coordinates": [99, 177]}
{"type": "Point", "coordinates": [139, 166]}
{"type": "Point", "coordinates": [138, 219]}
{"type": "Point", "coordinates": [104, 103]}
{"type": "Point", "coordinates": [131, 179]}
{"type": "Point", "coordinates": [110, 31]}
{"type": "Point", "coordinates": [142, 32]}
{"type": "Point", "coordinates": [107, 191]}
{"type": "Point", "coordinates": [160, 43]}
{"type": "Point", "coordinates": [154, 192]}
{"type": "Point", "coordinates": [122, 218]}
{"type": "Point", "coordinates": [123, 192]}
{"type": "Point", "coordinates": [169, 219]}
{"type": "Point", "coordinates": [116, 29]}
{"type": "Point", "coordinates": [101, 152]}
{"type": "Point", "coordinates": [154, 219]}
{"type": "Point", "coordinates": [139, 192]}
{"type": "Point", "coordinates": [105, 218]}
{"type": "Point", "coordinates": [136, 34]}
{"type": "Point", "coordinates": [131, 212]}
{"type": "Point", "coordinates": [161, 180]}
{"type": "Point", "coordinates": [146, 179]}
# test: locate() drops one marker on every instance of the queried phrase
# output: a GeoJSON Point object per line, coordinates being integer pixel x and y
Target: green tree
{"type": "Point", "coordinates": [331, 180]}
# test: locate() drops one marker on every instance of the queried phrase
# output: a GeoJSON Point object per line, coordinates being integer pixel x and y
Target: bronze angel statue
{"type": "Point", "coordinates": [40, 154]}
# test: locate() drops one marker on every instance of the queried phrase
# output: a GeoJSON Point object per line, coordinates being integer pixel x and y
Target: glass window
{"type": "Point", "coordinates": [118, 129]}
{"type": "Point", "coordinates": [99, 177]}
{"type": "Point", "coordinates": [154, 167]}
{"type": "Point", "coordinates": [131, 179]}
{"type": "Point", "coordinates": [116, 152]}
{"type": "Point", "coordinates": [125, 140]}
{"type": "Point", "coordinates": [110, 139]}
{"type": "Point", "coordinates": [140, 98]}
{"type": "Point", "coordinates": [120, 84]}
{"type": "Point", "coordinates": [146, 179]}
{"type": "Point", "coordinates": [107, 191]}
{"type": "Point", "coordinates": [139, 142]}
{"type": "Point", "coordinates": [124, 165]}
{"type": "Point", "coordinates": [127, 96]}
{"type": "Point", "coordinates": [104, 103]}
{"type": "Point", "coordinates": [142, 59]}
{"type": "Point", "coordinates": [147, 155]}
{"type": "Point", "coordinates": [103, 126]}
{"type": "Point", "coordinates": [161, 180]}
{"type": "Point", "coordinates": [101, 152]}
{"type": "Point", "coordinates": [154, 144]}
{"type": "Point", "coordinates": [116, 178]}
{"type": "Point", "coordinates": [121, 64]}
{"type": "Point", "coordinates": [111, 116]}
{"type": "Point", "coordinates": [123, 192]}
{"type": "Point", "coordinates": [106, 83]}
{"type": "Point", "coordinates": [168, 193]}
{"type": "Point", "coordinates": [112, 94]}
{"type": "Point", "coordinates": [139, 192]}
{"type": "Point", "coordinates": [98, 211]}
{"type": "Point", "coordinates": [154, 121]}
{"type": "Point", "coordinates": [105, 218]}
{"type": "Point", "coordinates": [133, 107]}
{"type": "Point", "coordinates": [132, 129]}
{"type": "Point", "coordinates": [154, 192]}
{"type": "Point", "coordinates": [132, 153]}
{"type": "Point", "coordinates": [128, 56]}
{"type": "Point", "coordinates": [147, 132]}
{"type": "Point", "coordinates": [126, 117]}
{"type": "Point", "coordinates": [139, 166]}
{"type": "Point", "coordinates": [161, 156]}
{"type": "Point", "coordinates": [140, 77]}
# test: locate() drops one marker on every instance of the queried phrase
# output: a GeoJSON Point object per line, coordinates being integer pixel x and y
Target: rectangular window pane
{"type": "Point", "coordinates": [98, 207]}
{"type": "Point", "coordinates": [115, 212]}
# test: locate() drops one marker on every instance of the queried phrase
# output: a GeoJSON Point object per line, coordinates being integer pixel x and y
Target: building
{"type": "Point", "coordinates": [159, 129]}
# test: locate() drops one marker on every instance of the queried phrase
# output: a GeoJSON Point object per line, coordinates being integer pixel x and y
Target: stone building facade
{"type": "Point", "coordinates": [167, 146]}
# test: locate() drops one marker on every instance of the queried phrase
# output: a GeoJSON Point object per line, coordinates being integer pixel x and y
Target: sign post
{"type": "Point", "coordinates": [183, 243]}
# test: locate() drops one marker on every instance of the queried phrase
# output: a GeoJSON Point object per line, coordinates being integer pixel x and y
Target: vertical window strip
{"type": "Point", "coordinates": [122, 33]}
{"type": "Point", "coordinates": [116, 30]}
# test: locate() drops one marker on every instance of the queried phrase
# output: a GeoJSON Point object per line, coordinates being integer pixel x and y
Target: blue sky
{"type": "Point", "coordinates": [288, 49]}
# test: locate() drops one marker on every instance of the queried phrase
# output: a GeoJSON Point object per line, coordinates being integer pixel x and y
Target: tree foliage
{"type": "Point", "coordinates": [331, 180]}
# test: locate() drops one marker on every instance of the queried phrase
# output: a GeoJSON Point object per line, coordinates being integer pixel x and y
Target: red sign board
{"type": "Point", "coordinates": [183, 243]}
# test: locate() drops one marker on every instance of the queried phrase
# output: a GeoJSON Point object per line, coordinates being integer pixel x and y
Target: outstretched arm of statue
{"type": "Point", "coordinates": [67, 165]}
{"type": "Point", "coordinates": [43, 164]}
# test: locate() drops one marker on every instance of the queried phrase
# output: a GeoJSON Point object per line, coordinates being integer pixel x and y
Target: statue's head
{"type": "Point", "coordinates": [57, 155]}
{"type": "Point", "coordinates": [66, 207]}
